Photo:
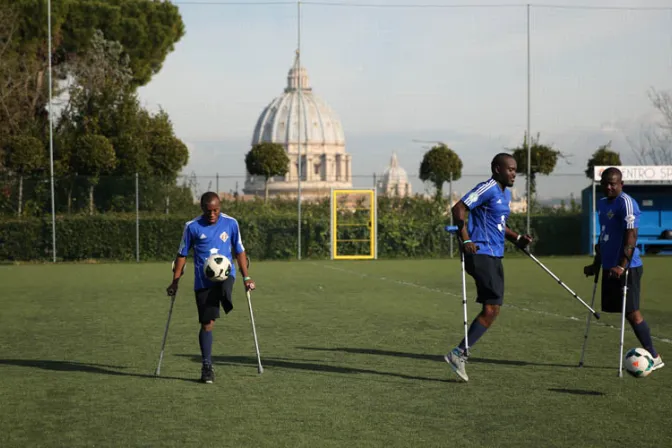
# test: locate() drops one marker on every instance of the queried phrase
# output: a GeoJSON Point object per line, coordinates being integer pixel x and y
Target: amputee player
{"type": "Point", "coordinates": [482, 241]}
{"type": "Point", "coordinates": [616, 251]}
{"type": "Point", "coordinates": [211, 233]}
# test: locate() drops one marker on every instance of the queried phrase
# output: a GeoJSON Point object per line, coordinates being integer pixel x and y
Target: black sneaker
{"type": "Point", "coordinates": [207, 374]}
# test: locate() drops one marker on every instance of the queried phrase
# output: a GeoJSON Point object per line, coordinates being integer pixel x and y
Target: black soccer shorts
{"type": "Point", "coordinates": [208, 300]}
{"type": "Point", "coordinates": [612, 291]}
{"type": "Point", "coordinates": [488, 273]}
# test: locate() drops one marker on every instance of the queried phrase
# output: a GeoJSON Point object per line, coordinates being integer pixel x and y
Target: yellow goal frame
{"type": "Point", "coordinates": [372, 224]}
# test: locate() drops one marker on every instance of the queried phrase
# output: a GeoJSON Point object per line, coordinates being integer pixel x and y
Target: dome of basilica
{"type": "Point", "coordinates": [311, 133]}
{"type": "Point", "coordinates": [279, 122]}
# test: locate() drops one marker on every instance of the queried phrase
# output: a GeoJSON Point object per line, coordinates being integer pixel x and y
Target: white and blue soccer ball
{"type": "Point", "coordinates": [217, 268]}
{"type": "Point", "coordinates": [638, 362]}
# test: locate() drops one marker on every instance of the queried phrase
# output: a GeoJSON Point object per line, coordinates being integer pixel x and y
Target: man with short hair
{"type": "Point", "coordinates": [482, 242]}
{"type": "Point", "coordinates": [617, 252]}
{"type": "Point", "coordinates": [211, 233]}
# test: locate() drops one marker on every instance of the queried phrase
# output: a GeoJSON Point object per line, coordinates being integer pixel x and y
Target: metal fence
{"type": "Point", "coordinates": [26, 196]}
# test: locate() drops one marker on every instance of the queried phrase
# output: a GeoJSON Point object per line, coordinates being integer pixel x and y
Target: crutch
{"type": "Point", "coordinates": [541, 265]}
{"type": "Point", "coordinates": [165, 336]}
{"type": "Point", "coordinates": [625, 296]}
{"type": "Point", "coordinates": [165, 333]}
{"type": "Point", "coordinates": [260, 368]}
{"type": "Point", "coordinates": [592, 303]}
{"type": "Point", "coordinates": [453, 230]}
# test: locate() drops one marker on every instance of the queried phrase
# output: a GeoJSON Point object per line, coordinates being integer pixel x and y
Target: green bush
{"type": "Point", "coordinates": [407, 228]}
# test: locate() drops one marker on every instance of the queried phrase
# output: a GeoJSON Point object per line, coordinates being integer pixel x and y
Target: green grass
{"type": "Point", "coordinates": [352, 354]}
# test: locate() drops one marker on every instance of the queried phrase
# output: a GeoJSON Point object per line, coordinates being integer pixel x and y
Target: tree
{"type": "Point", "coordinates": [544, 160]}
{"type": "Point", "coordinates": [439, 165]}
{"type": "Point", "coordinates": [100, 81]}
{"type": "Point", "coordinates": [24, 155]}
{"type": "Point", "coordinates": [93, 156]}
{"type": "Point", "coordinates": [267, 160]}
{"type": "Point", "coordinates": [146, 30]}
{"type": "Point", "coordinates": [655, 147]}
{"type": "Point", "coordinates": [602, 157]}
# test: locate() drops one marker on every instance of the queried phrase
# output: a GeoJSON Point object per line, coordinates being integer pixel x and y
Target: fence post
{"type": "Point", "coordinates": [450, 203]}
{"type": "Point", "coordinates": [137, 218]}
{"type": "Point", "coordinates": [217, 184]}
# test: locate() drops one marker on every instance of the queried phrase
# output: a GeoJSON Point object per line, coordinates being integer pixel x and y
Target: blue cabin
{"type": "Point", "coordinates": [655, 204]}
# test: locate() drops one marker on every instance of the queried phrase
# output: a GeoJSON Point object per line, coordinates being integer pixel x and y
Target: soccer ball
{"type": "Point", "coordinates": [638, 362]}
{"type": "Point", "coordinates": [217, 268]}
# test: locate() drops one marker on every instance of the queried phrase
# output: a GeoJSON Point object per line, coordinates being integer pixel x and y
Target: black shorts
{"type": "Point", "coordinates": [612, 291]}
{"type": "Point", "coordinates": [488, 273]}
{"type": "Point", "coordinates": [209, 299]}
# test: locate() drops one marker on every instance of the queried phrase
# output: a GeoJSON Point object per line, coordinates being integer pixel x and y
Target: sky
{"type": "Point", "coordinates": [395, 75]}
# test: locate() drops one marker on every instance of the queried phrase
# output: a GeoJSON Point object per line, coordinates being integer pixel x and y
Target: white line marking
{"type": "Point", "coordinates": [447, 293]}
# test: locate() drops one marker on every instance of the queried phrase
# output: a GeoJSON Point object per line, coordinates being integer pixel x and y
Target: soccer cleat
{"type": "Point", "coordinates": [457, 361]}
{"type": "Point", "coordinates": [657, 363]}
{"type": "Point", "coordinates": [207, 374]}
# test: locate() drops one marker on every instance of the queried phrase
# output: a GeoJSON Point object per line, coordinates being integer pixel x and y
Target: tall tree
{"type": "Point", "coordinates": [655, 146]}
{"type": "Point", "coordinates": [602, 157]}
{"type": "Point", "coordinates": [146, 29]}
{"type": "Point", "coordinates": [24, 155]}
{"type": "Point", "coordinates": [267, 160]}
{"type": "Point", "coordinates": [438, 165]}
{"type": "Point", "coordinates": [544, 160]}
{"type": "Point", "coordinates": [93, 156]}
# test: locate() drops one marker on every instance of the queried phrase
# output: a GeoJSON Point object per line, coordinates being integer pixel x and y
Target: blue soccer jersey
{"type": "Point", "coordinates": [617, 216]}
{"type": "Point", "coordinates": [222, 237]}
{"type": "Point", "coordinates": [489, 209]}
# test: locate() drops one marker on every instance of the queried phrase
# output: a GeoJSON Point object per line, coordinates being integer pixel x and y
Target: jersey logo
{"type": "Point", "coordinates": [473, 197]}
{"type": "Point", "coordinates": [202, 237]}
{"type": "Point", "coordinates": [499, 201]}
{"type": "Point", "coordinates": [630, 219]}
{"type": "Point", "coordinates": [224, 236]}
{"type": "Point", "coordinates": [213, 251]}
{"type": "Point", "coordinates": [610, 214]}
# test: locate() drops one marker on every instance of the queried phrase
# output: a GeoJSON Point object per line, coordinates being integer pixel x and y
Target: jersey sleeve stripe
{"type": "Point", "coordinates": [485, 187]}
{"type": "Point", "coordinates": [629, 211]}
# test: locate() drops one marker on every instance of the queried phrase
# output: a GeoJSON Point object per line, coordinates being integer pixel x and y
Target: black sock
{"type": "Point", "coordinates": [644, 335]}
{"type": "Point", "coordinates": [476, 330]}
{"type": "Point", "coordinates": [205, 341]}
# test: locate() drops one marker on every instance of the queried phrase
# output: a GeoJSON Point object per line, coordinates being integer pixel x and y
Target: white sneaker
{"type": "Point", "coordinates": [658, 363]}
{"type": "Point", "coordinates": [457, 361]}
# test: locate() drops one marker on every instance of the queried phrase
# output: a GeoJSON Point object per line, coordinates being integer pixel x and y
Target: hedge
{"type": "Point", "coordinates": [265, 236]}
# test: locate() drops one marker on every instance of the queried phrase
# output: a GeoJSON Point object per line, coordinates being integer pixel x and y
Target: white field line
{"type": "Point", "coordinates": [447, 293]}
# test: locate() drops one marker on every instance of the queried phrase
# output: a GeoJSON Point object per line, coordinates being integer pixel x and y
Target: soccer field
{"type": "Point", "coordinates": [352, 353]}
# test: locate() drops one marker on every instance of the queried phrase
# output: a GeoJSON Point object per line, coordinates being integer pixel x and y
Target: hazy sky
{"type": "Point", "coordinates": [457, 75]}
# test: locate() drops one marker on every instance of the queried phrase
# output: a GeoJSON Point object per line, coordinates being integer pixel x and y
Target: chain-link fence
{"type": "Point", "coordinates": [26, 196]}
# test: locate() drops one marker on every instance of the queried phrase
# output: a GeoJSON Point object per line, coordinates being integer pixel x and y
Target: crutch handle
{"type": "Point", "coordinates": [451, 229]}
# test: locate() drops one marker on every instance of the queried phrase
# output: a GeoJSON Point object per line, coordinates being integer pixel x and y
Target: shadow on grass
{"type": "Point", "coordinates": [578, 392]}
{"type": "Point", "coordinates": [507, 362]}
{"type": "Point", "coordinates": [73, 366]}
{"type": "Point", "coordinates": [309, 366]}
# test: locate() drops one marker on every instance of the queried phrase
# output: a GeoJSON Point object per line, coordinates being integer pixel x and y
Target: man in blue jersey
{"type": "Point", "coordinates": [617, 252]}
{"type": "Point", "coordinates": [483, 245]}
{"type": "Point", "coordinates": [211, 233]}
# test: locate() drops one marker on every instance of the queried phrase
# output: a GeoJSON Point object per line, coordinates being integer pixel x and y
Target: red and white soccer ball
{"type": "Point", "coordinates": [638, 362]}
{"type": "Point", "coordinates": [217, 268]}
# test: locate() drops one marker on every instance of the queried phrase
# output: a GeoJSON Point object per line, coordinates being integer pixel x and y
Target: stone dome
{"type": "Point", "coordinates": [394, 174]}
{"type": "Point", "coordinates": [316, 152]}
{"type": "Point", "coordinates": [279, 121]}
{"type": "Point", "coordinates": [394, 180]}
